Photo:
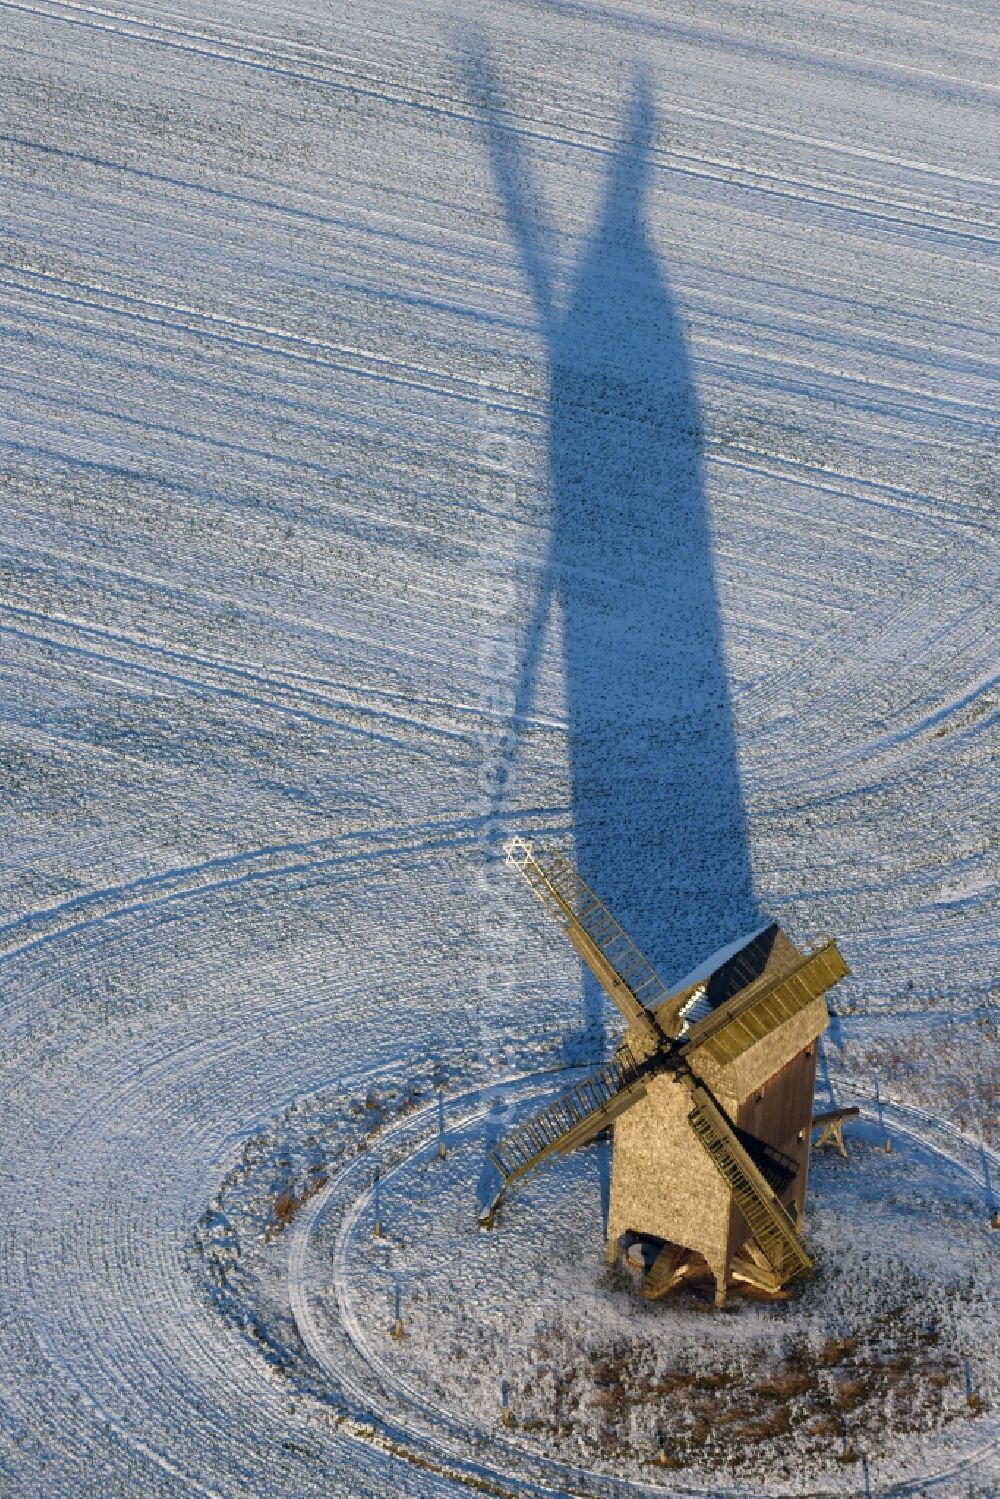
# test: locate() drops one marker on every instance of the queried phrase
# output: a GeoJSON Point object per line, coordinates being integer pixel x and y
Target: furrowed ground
{"type": "Point", "coordinates": [421, 424]}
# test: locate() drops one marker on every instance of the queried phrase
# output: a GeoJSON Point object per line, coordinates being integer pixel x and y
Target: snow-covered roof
{"type": "Point", "coordinates": [705, 969]}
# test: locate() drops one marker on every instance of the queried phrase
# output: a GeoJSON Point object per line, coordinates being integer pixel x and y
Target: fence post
{"type": "Point", "coordinates": [377, 1186]}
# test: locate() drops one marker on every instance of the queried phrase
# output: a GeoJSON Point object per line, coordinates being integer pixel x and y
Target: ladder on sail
{"type": "Point", "coordinates": [606, 948]}
{"type": "Point", "coordinates": [570, 1120]}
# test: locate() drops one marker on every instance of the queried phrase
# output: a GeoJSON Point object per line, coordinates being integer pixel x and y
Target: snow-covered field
{"type": "Point", "coordinates": [423, 423]}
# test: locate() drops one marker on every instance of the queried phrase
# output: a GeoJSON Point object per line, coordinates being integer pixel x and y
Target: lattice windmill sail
{"type": "Point", "coordinates": [710, 1094]}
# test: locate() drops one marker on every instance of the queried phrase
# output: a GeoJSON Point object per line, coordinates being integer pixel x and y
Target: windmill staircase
{"type": "Point", "coordinates": [766, 1218]}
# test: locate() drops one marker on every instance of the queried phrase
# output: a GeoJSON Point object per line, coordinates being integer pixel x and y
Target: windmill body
{"type": "Point", "coordinates": [663, 1186]}
{"type": "Point", "coordinates": [710, 1095]}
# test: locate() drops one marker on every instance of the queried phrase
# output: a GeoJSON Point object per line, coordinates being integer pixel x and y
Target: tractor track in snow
{"type": "Point", "coordinates": [345, 75]}
{"type": "Point", "coordinates": [229, 872]}
{"type": "Point", "coordinates": [366, 363]}
{"type": "Point", "coordinates": [265, 309]}
{"type": "Point", "coordinates": [250, 691]}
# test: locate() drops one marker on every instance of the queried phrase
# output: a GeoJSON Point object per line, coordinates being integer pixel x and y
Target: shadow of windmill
{"type": "Point", "coordinates": [657, 805]}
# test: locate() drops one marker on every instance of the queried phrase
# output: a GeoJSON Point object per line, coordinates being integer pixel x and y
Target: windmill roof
{"type": "Point", "coordinates": [738, 964]}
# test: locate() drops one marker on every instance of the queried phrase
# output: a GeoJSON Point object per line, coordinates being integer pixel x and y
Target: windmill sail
{"type": "Point", "coordinates": [731, 1029]}
{"type": "Point", "coordinates": [608, 951]}
{"type": "Point", "coordinates": [570, 1120]}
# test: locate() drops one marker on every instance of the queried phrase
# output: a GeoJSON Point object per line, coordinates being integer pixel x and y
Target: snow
{"type": "Point", "coordinates": [715, 961]}
{"type": "Point", "coordinates": [424, 424]}
{"type": "Point", "coordinates": [910, 1309]}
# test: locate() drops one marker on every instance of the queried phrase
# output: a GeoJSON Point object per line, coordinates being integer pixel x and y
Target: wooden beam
{"type": "Point", "coordinates": [669, 1268]}
{"type": "Point", "coordinates": [829, 1115]}
{"type": "Point", "coordinates": [754, 1274]}
{"type": "Point", "coordinates": [831, 1127]}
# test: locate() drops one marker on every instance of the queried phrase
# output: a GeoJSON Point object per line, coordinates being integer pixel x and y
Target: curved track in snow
{"type": "Point", "coordinates": [316, 1275]}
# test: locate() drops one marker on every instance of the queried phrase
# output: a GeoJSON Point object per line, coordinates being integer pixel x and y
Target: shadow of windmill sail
{"type": "Point", "coordinates": [655, 785]}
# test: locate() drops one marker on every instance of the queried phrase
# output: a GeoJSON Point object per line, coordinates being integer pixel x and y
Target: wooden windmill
{"type": "Point", "coordinates": [710, 1092]}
